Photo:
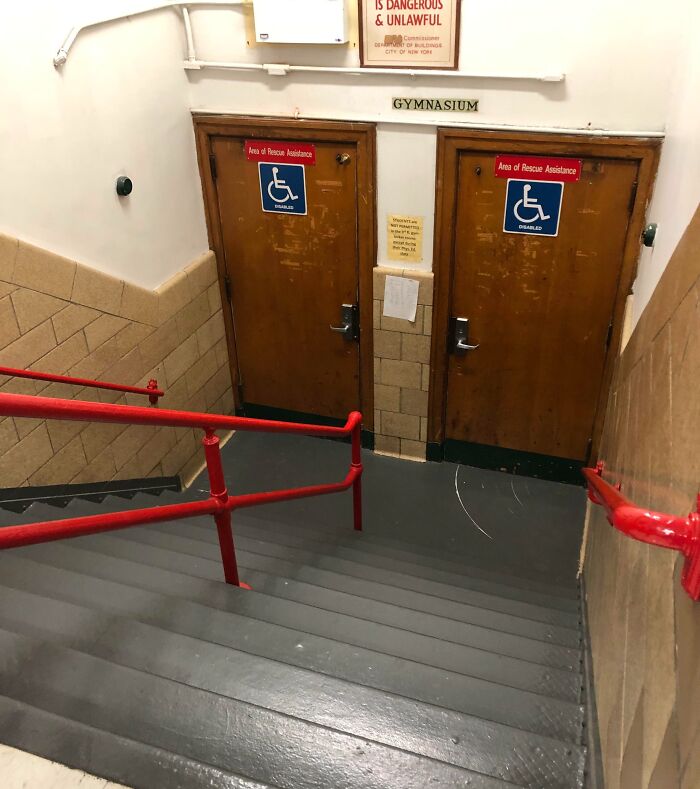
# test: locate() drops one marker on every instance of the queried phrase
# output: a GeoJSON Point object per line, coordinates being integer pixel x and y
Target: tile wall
{"type": "Point", "coordinates": [59, 316]}
{"type": "Point", "coordinates": [645, 630]}
{"type": "Point", "coordinates": [402, 370]}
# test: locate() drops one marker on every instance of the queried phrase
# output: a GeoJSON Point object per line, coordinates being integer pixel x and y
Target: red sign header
{"type": "Point", "coordinates": [537, 168]}
{"type": "Point", "coordinates": [276, 151]}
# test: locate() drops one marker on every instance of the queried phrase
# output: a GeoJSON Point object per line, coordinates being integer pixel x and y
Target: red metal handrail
{"type": "Point", "coordinates": [219, 504]}
{"type": "Point", "coordinates": [655, 528]}
{"type": "Point", "coordinates": [151, 389]}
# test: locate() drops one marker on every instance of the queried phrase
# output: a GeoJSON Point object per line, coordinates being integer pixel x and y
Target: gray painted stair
{"type": "Point", "coordinates": [357, 661]}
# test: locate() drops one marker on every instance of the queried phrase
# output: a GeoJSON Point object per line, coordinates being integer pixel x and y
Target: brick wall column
{"type": "Point", "coordinates": [402, 370]}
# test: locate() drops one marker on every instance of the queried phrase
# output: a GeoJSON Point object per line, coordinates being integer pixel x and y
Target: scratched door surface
{"type": "Point", "coordinates": [289, 276]}
{"type": "Point", "coordinates": [539, 308]}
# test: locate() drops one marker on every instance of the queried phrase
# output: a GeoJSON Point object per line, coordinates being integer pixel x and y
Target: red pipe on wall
{"type": "Point", "coordinates": [655, 528]}
{"type": "Point", "coordinates": [151, 390]}
{"type": "Point", "coordinates": [34, 407]}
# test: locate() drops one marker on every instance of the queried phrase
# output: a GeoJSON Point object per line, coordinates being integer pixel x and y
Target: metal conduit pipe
{"type": "Point", "coordinates": [282, 69]}
{"type": "Point", "coordinates": [62, 54]}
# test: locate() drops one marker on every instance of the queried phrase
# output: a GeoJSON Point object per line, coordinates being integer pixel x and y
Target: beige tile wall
{"type": "Point", "coordinates": [645, 631]}
{"type": "Point", "coordinates": [59, 316]}
{"type": "Point", "coordinates": [402, 370]}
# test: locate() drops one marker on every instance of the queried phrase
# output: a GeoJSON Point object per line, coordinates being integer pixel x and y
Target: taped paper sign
{"type": "Point", "coordinates": [405, 238]}
{"type": "Point", "coordinates": [401, 298]}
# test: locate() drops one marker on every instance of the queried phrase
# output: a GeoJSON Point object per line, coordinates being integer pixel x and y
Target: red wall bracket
{"type": "Point", "coordinates": [655, 528]}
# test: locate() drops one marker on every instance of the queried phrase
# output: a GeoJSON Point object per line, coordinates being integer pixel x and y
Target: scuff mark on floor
{"type": "Point", "coordinates": [512, 487]}
{"type": "Point", "coordinates": [466, 511]}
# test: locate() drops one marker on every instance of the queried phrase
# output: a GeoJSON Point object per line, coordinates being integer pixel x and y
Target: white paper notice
{"type": "Point", "coordinates": [401, 298]}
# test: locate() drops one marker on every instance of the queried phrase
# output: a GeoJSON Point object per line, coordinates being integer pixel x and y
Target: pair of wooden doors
{"type": "Point", "coordinates": [296, 240]}
{"type": "Point", "coordinates": [545, 310]}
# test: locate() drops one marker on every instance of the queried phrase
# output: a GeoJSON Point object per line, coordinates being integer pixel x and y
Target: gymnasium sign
{"type": "Point", "coordinates": [409, 33]}
{"type": "Point", "coordinates": [436, 105]}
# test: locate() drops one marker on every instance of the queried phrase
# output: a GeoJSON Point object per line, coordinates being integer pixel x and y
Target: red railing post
{"type": "Point", "coordinates": [153, 385]}
{"type": "Point", "coordinates": [217, 490]}
{"type": "Point", "coordinates": [357, 482]}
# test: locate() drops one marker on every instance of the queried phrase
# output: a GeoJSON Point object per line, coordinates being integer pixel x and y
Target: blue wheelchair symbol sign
{"type": "Point", "coordinates": [533, 207]}
{"type": "Point", "coordinates": [282, 188]}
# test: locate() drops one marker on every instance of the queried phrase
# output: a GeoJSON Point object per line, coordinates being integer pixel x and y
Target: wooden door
{"type": "Point", "coordinates": [289, 275]}
{"type": "Point", "coordinates": [541, 310]}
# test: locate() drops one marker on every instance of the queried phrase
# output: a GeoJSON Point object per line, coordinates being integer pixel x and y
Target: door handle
{"type": "Point", "coordinates": [460, 345]}
{"type": "Point", "coordinates": [349, 314]}
{"type": "Point", "coordinates": [460, 333]}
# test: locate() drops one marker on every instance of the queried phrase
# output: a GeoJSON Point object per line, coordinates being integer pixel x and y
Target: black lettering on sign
{"type": "Point", "coordinates": [436, 104]}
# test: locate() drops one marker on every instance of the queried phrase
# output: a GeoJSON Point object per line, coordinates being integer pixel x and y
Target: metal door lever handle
{"type": "Point", "coordinates": [349, 314]}
{"type": "Point", "coordinates": [460, 335]}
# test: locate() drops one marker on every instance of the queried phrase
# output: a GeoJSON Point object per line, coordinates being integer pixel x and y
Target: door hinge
{"type": "Point", "coordinates": [212, 166]}
{"type": "Point", "coordinates": [633, 197]}
{"type": "Point", "coordinates": [608, 339]}
{"type": "Point", "coordinates": [227, 287]}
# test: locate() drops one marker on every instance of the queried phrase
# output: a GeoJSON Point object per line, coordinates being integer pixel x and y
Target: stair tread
{"type": "Point", "coordinates": [233, 735]}
{"type": "Point", "coordinates": [341, 593]}
{"type": "Point", "coordinates": [123, 587]}
{"type": "Point", "coordinates": [358, 553]}
{"type": "Point", "coordinates": [202, 543]}
{"type": "Point", "coordinates": [202, 546]}
{"type": "Point", "coordinates": [492, 666]}
{"type": "Point", "coordinates": [430, 556]}
{"type": "Point", "coordinates": [560, 626]}
{"type": "Point", "coordinates": [479, 637]}
{"type": "Point", "coordinates": [111, 756]}
{"type": "Point", "coordinates": [342, 705]}
{"type": "Point", "coordinates": [480, 612]}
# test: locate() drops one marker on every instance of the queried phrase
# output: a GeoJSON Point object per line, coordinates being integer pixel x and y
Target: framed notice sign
{"type": "Point", "coordinates": [409, 33]}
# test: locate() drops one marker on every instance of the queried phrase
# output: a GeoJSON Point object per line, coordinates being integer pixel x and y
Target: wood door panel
{"type": "Point", "coordinates": [539, 307]}
{"type": "Point", "coordinates": [289, 276]}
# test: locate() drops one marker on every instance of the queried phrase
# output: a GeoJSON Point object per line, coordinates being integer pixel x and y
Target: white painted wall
{"type": "Point", "coordinates": [618, 65]}
{"type": "Point", "coordinates": [677, 190]}
{"type": "Point", "coordinates": [400, 176]}
{"type": "Point", "coordinates": [119, 105]}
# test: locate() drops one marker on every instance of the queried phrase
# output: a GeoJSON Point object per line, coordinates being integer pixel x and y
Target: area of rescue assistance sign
{"type": "Point", "coordinates": [409, 33]}
{"type": "Point", "coordinates": [537, 168]}
{"type": "Point", "coordinates": [534, 192]}
{"type": "Point", "coordinates": [282, 174]}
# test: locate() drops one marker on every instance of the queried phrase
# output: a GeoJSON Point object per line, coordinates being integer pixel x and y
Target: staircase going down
{"type": "Point", "coordinates": [356, 661]}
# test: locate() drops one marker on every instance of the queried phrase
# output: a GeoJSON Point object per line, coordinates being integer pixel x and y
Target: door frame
{"type": "Point", "coordinates": [208, 126]}
{"type": "Point", "coordinates": [452, 141]}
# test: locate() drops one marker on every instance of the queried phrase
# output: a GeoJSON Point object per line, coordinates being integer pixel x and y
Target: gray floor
{"type": "Point", "coordinates": [498, 521]}
{"type": "Point", "coordinates": [422, 652]}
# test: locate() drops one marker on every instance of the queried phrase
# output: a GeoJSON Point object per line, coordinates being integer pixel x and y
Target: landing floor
{"type": "Point", "coordinates": [527, 526]}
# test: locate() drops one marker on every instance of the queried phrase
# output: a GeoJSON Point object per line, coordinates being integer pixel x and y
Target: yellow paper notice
{"type": "Point", "coordinates": [405, 238]}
